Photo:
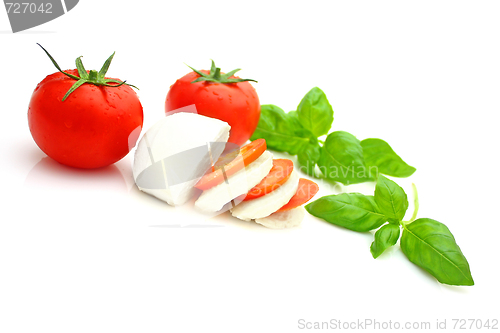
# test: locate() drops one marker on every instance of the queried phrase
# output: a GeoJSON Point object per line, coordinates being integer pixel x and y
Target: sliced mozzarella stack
{"type": "Point", "coordinates": [258, 188]}
{"type": "Point", "coordinates": [175, 153]}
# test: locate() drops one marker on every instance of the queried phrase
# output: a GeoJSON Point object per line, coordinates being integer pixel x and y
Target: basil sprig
{"type": "Point", "coordinates": [425, 242]}
{"type": "Point", "coordinates": [341, 157]}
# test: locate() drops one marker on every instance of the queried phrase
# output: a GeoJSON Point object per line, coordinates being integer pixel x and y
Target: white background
{"type": "Point", "coordinates": [85, 251]}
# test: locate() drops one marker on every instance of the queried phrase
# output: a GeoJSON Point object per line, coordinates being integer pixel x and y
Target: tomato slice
{"type": "Point", "coordinates": [278, 175]}
{"type": "Point", "coordinates": [306, 190]}
{"type": "Point", "coordinates": [231, 163]}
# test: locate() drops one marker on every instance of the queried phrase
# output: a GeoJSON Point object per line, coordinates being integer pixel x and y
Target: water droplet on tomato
{"type": "Point", "coordinates": [68, 124]}
{"type": "Point", "coordinates": [220, 98]}
{"type": "Point", "coordinates": [215, 93]}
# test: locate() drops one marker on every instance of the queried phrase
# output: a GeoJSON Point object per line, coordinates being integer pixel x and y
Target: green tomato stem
{"type": "Point", "coordinates": [216, 76]}
{"type": "Point", "coordinates": [92, 77]}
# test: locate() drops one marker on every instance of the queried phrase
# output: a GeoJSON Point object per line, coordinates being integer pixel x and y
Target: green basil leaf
{"type": "Point", "coordinates": [341, 159]}
{"type": "Point", "coordinates": [282, 132]}
{"type": "Point", "coordinates": [353, 211]}
{"type": "Point", "coordinates": [379, 154]}
{"type": "Point", "coordinates": [293, 114]}
{"type": "Point", "coordinates": [308, 158]}
{"type": "Point", "coordinates": [430, 244]}
{"type": "Point", "coordinates": [393, 221]}
{"type": "Point", "coordinates": [391, 198]}
{"type": "Point", "coordinates": [315, 112]}
{"type": "Point", "coordinates": [385, 237]}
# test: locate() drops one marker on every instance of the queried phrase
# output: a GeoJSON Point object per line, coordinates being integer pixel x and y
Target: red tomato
{"type": "Point", "coordinates": [279, 174]}
{"type": "Point", "coordinates": [231, 163]}
{"type": "Point", "coordinates": [235, 103]}
{"type": "Point", "coordinates": [306, 190]}
{"type": "Point", "coordinates": [94, 127]}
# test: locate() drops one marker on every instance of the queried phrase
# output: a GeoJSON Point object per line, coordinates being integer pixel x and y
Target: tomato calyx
{"type": "Point", "coordinates": [92, 77]}
{"type": "Point", "coordinates": [216, 76]}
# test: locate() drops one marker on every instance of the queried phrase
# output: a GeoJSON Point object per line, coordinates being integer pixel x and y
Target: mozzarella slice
{"type": "Point", "coordinates": [269, 203]}
{"type": "Point", "coordinates": [238, 184]}
{"type": "Point", "coordinates": [281, 220]}
{"type": "Point", "coordinates": [175, 153]}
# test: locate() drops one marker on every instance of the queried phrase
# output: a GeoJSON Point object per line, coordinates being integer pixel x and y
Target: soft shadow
{"type": "Point", "coordinates": [29, 32]}
{"type": "Point", "coordinates": [26, 32]}
{"type": "Point", "coordinates": [456, 289]}
{"type": "Point", "coordinates": [26, 152]}
{"type": "Point", "coordinates": [179, 226]}
{"type": "Point", "coordinates": [49, 174]}
{"type": "Point", "coordinates": [147, 199]}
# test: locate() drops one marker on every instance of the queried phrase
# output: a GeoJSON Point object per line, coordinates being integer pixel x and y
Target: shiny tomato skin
{"type": "Point", "coordinates": [94, 127]}
{"type": "Point", "coordinates": [235, 103]}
